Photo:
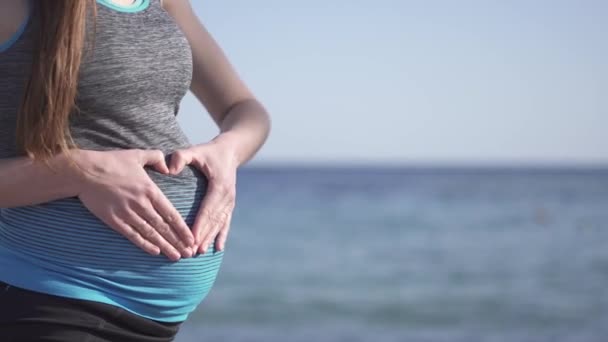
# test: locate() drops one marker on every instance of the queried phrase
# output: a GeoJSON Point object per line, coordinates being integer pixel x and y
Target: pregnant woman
{"type": "Point", "coordinates": [112, 225]}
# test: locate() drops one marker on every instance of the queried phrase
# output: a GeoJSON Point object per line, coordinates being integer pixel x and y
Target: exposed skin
{"type": "Point", "coordinates": [244, 125]}
{"type": "Point", "coordinates": [145, 216]}
{"type": "Point", "coordinates": [12, 14]}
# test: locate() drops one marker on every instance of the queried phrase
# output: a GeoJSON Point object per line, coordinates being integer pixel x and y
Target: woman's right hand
{"type": "Point", "coordinates": [116, 188]}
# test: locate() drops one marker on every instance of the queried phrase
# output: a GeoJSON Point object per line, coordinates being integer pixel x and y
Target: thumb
{"type": "Point", "coordinates": [179, 159]}
{"type": "Point", "coordinates": [154, 158]}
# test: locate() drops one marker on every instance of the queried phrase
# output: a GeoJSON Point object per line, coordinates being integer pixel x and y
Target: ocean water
{"type": "Point", "coordinates": [412, 254]}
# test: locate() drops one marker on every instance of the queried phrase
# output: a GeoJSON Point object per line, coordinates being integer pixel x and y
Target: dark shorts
{"type": "Point", "coordinates": [31, 316]}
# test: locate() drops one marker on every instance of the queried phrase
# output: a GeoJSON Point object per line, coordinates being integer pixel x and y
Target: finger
{"type": "Point", "coordinates": [203, 221]}
{"type": "Point", "coordinates": [148, 233]}
{"type": "Point", "coordinates": [179, 159]}
{"type": "Point", "coordinates": [201, 164]}
{"type": "Point", "coordinates": [206, 240]}
{"type": "Point", "coordinates": [146, 211]}
{"type": "Point", "coordinates": [154, 158]}
{"type": "Point", "coordinates": [172, 217]}
{"type": "Point", "coordinates": [133, 235]}
{"type": "Point", "coordinates": [222, 236]}
{"type": "Point", "coordinates": [218, 221]}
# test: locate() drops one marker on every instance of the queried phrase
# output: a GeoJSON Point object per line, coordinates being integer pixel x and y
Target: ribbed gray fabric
{"type": "Point", "coordinates": [129, 92]}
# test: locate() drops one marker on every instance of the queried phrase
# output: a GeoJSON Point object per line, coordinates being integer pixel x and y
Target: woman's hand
{"type": "Point", "coordinates": [116, 188]}
{"type": "Point", "coordinates": [218, 162]}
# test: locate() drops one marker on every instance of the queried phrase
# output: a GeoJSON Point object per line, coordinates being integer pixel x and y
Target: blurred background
{"type": "Point", "coordinates": [437, 171]}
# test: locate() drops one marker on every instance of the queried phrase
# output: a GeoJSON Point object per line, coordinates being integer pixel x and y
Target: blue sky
{"type": "Point", "coordinates": [419, 82]}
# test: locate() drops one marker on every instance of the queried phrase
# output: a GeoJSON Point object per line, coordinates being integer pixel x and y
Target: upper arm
{"type": "Point", "coordinates": [214, 81]}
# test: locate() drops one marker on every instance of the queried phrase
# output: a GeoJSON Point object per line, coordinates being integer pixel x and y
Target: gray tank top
{"type": "Point", "coordinates": [130, 86]}
{"type": "Point", "coordinates": [129, 92]}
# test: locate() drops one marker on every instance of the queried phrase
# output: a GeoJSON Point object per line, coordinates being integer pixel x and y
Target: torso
{"type": "Point", "coordinates": [129, 93]}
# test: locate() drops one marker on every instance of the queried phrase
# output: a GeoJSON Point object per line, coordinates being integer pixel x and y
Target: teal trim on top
{"type": "Point", "coordinates": [13, 39]}
{"type": "Point", "coordinates": [136, 6]}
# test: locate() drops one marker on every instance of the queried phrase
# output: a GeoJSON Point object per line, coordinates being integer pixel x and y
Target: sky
{"type": "Point", "coordinates": [447, 82]}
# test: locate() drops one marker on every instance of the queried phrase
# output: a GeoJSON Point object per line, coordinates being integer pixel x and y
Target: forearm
{"type": "Point", "coordinates": [24, 181]}
{"type": "Point", "coordinates": [245, 128]}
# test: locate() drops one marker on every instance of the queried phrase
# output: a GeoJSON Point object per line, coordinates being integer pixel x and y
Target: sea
{"type": "Point", "coordinates": [366, 253]}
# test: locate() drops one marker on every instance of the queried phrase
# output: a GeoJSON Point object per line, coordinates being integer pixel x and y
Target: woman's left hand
{"type": "Point", "coordinates": [218, 162]}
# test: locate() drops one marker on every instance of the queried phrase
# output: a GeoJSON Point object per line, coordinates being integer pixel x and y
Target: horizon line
{"type": "Point", "coordinates": [416, 164]}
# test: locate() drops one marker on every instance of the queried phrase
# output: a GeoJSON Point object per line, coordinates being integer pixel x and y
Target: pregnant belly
{"type": "Point", "coordinates": [72, 245]}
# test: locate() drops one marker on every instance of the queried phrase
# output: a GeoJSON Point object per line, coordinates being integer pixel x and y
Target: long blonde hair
{"type": "Point", "coordinates": [50, 92]}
